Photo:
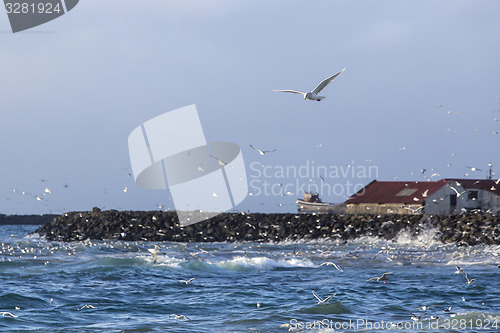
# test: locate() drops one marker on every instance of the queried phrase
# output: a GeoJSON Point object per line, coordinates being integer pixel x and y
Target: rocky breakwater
{"type": "Point", "coordinates": [230, 227]}
{"type": "Point", "coordinates": [25, 219]}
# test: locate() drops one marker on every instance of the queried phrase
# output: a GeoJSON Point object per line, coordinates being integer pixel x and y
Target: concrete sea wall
{"type": "Point", "coordinates": [230, 227]}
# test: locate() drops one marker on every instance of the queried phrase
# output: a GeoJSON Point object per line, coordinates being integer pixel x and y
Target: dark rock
{"type": "Point", "coordinates": [229, 227]}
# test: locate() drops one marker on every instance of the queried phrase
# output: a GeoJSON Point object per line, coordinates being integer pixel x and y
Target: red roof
{"type": "Point", "coordinates": [479, 184]}
{"type": "Point", "coordinates": [396, 192]}
{"type": "Point", "coordinates": [414, 192]}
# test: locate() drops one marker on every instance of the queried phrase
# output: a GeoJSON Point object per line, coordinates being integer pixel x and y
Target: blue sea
{"type": "Point", "coordinates": [115, 286]}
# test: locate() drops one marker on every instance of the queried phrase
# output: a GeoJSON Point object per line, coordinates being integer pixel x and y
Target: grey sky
{"type": "Point", "coordinates": [73, 89]}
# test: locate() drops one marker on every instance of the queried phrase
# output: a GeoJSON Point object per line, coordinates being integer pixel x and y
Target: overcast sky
{"type": "Point", "coordinates": [421, 90]}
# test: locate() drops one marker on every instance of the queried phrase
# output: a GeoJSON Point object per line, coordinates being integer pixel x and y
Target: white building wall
{"type": "Point", "coordinates": [439, 202]}
{"type": "Point", "coordinates": [491, 202]}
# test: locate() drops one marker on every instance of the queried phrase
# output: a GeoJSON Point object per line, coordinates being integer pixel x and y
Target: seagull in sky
{"type": "Point", "coordinates": [459, 270]}
{"type": "Point", "coordinates": [221, 162]}
{"type": "Point", "coordinates": [323, 301]}
{"type": "Point", "coordinates": [473, 168]}
{"type": "Point", "coordinates": [262, 152]}
{"type": "Point", "coordinates": [313, 95]}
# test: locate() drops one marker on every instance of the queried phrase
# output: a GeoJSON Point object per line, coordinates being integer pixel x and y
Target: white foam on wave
{"type": "Point", "coordinates": [475, 255]}
{"type": "Point", "coordinates": [426, 238]}
{"type": "Point", "coordinates": [265, 263]}
{"type": "Point", "coordinates": [164, 260]}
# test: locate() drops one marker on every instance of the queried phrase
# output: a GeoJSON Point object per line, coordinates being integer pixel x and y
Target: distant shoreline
{"type": "Point", "coordinates": [26, 219]}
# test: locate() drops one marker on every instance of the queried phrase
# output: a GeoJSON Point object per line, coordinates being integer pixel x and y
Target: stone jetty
{"type": "Point", "coordinates": [231, 227]}
{"type": "Point", "coordinates": [25, 219]}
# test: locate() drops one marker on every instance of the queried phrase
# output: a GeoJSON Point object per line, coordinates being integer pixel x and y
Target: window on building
{"type": "Point", "coordinates": [472, 195]}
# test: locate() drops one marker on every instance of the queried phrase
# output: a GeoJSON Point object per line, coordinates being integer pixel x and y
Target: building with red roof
{"type": "Point", "coordinates": [445, 196]}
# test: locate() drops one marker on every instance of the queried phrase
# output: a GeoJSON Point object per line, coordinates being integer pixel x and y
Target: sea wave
{"type": "Point", "coordinates": [263, 263]}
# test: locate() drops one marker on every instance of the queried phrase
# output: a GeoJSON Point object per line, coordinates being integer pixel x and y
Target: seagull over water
{"type": "Point", "coordinates": [469, 280]}
{"type": "Point", "coordinates": [459, 270]}
{"type": "Point", "coordinates": [380, 278]}
{"type": "Point", "coordinates": [425, 307]}
{"type": "Point", "coordinates": [329, 263]}
{"type": "Point", "coordinates": [154, 253]}
{"type": "Point", "coordinates": [187, 281]}
{"type": "Point", "coordinates": [323, 301]}
{"type": "Point", "coordinates": [313, 95]}
{"type": "Point", "coordinates": [8, 314]}
{"type": "Point", "coordinates": [417, 318]}
{"type": "Point", "coordinates": [179, 317]}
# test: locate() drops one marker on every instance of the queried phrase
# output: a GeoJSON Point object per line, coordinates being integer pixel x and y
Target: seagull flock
{"type": "Point", "coordinates": [384, 278]}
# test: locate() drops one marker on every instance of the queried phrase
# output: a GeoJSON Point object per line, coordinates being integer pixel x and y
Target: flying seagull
{"type": "Point", "coordinates": [323, 301]}
{"type": "Point", "coordinates": [456, 191]}
{"type": "Point", "coordinates": [154, 253]}
{"type": "Point", "coordinates": [221, 162]}
{"type": "Point", "coordinates": [459, 270]}
{"type": "Point", "coordinates": [179, 317]}
{"type": "Point", "coordinates": [425, 307]}
{"type": "Point", "coordinates": [187, 281]}
{"type": "Point", "coordinates": [329, 263]}
{"type": "Point", "coordinates": [473, 168]}
{"type": "Point", "coordinates": [313, 95]}
{"type": "Point", "coordinates": [380, 278]}
{"type": "Point", "coordinates": [417, 318]}
{"type": "Point", "coordinates": [469, 280]}
{"type": "Point", "coordinates": [262, 152]}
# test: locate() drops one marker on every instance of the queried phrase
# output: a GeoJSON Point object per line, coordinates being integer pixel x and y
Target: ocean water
{"type": "Point", "coordinates": [114, 286]}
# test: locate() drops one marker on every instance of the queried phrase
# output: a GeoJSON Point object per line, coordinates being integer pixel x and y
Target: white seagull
{"type": "Point", "coordinates": [459, 270]}
{"type": "Point", "coordinates": [329, 263]}
{"type": "Point", "coordinates": [87, 306]}
{"type": "Point", "coordinates": [154, 253]}
{"type": "Point", "coordinates": [425, 307]}
{"type": "Point", "coordinates": [187, 281]}
{"type": "Point", "coordinates": [221, 162]}
{"type": "Point", "coordinates": [262, 152]}
{"type": "Point", "coordinates": [323, 301]}
{"type": "Point", "coordinates": [469, 280]}
{"type": "Point", "coordinates": [456, 191]}
{"type": "Point", "coordinates": [380, 278]}
{"type": "Point", "coordinates": [313, 95]}
{"type": "Point", "coordinates": [8, 314]}
{"type": "Point", "coordinates": [417, 318]}
{"type": "Point", "coordinates": [179, 317]}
